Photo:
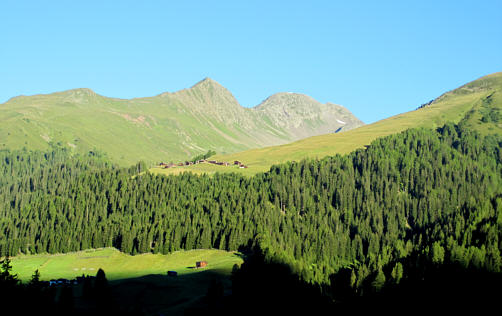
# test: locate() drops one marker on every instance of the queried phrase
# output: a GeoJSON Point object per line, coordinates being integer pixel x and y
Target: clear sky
{"type": "Point", "coordinates": [377, 58]}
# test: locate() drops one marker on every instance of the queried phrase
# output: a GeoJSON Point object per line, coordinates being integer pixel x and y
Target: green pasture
{"type": "Point", "coordinates": [203, 168]}
{"type": "Point", "coordinates": [118, 265]}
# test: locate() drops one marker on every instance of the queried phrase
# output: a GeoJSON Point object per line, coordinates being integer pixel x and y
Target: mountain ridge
{"type": "Point", "coordinates": [476, 104]}
{"type": "Point", "coordinates": [168, 126]}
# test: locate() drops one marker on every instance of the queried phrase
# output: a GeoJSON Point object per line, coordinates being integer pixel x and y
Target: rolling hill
{"type": "Point", "coordinates": [477, 104]}
{"type": "Point", "coordinates": [166, 127]}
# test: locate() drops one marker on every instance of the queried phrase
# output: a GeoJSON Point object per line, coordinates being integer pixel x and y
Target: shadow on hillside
{"type": "Point", "coordinates": [262, 287]}
{"type": "Point", "coordinates": [426, 288]}
{"type": "Point", "coordinates": [154, 294]}
{"type": "Point", "coordinates": [157, 294]}
{"type": "Point", "coordinates": [268, 287]}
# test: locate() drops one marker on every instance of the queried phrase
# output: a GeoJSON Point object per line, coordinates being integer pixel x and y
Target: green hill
{"type": "Point", "coordinates": [477, 104]}
{"type": "Point", "coordinates": [166, 127]}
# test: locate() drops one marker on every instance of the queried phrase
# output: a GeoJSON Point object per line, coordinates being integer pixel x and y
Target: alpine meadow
{"type": "Point", "coordinates": [250, 158]}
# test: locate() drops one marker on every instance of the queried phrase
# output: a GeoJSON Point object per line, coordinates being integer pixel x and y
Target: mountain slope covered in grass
{"type": "Point", "coordinates": [166, 127]}
{"type": "Point", "coordinates": [477, 105]}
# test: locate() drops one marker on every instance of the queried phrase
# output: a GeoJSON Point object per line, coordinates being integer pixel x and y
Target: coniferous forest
{"type": "Point", "coordinates": [403, 208]}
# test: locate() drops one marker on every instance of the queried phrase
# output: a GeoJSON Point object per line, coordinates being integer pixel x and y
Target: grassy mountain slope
{"type": "Point", "coordinates": [167, 127]}
{"type": "Point", "coordinates": [477, 104]}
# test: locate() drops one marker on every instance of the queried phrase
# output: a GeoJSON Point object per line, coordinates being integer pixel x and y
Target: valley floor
{"type": "Point", "coordinates": [118, 265]}
{"type": "Point", "coordinates": [137, 283]}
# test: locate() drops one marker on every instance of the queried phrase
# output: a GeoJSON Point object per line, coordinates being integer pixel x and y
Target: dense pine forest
{"type": "Point", "coordinates": [360, 221]}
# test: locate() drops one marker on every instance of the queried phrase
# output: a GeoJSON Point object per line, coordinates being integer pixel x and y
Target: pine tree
{"type": "Point", "coordinates": [379, 281]}
{"type": "Point", "coordinates": [7, 279]}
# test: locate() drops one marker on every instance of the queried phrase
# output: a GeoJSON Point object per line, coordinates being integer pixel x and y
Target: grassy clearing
{"type": "Point", "coordinates": [203, 168]}
{"type": "Point", "coordinates": [118, 265]}
{"type": "Point", "coordinates": [138, 283]}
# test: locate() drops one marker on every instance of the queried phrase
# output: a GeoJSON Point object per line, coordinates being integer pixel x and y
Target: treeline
{"type": "Point", "coordinates": [36, 297]}
{"type": "Point", "coordinates": [433, 193]}
{"type": "Point", "coordinates": [203, 156]}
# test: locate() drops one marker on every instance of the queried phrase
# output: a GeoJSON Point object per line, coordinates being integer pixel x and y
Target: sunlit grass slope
{"type": "Point", "coordinates": [166, 127]}
{"type": "Point", "coordinates": [204, 168]}
{"type": "Point", "coordinates": [469, 104]}
{"type": "Point", "coordinates": [118, 265]}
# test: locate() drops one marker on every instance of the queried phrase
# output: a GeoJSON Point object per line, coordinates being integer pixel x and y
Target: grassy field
{"type": "Point", "coordinates": [203, 168]}
{"type": "Point", "coordinates": [118, 265]}
{"type": "Point", "coordinates": [467, 102]}
{"type": "Point", "coordinates": [138, 283]}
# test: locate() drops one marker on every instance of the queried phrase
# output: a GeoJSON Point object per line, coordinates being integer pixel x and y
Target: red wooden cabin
{"type": "Point", "coordinates": [201, 264]}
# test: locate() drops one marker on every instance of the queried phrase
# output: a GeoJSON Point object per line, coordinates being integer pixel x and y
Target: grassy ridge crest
{"type": "Point", "coordinates": [167, 127]}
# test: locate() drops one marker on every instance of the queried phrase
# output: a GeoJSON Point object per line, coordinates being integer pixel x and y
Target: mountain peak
{"type": "Point", "coordinates": [206, 82]}
{"type": "Point", "coordinates": [287, 100]}
{"type": "Point", "coordinates": [304, 116]}
{"type": "Point", "coordinates": [82, 91]}
{"type": "Point", "coordinates": [213, 91]}
{"type": "Point", "coordinates": [208, 94]}
{"type": "Point", "coordinates": [78, 92]}
{"type": "Point", "coordinates": [79, 95]}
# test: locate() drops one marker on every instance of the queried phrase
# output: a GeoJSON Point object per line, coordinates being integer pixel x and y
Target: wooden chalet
{"type": "Point", "coordinates": [201, 264]}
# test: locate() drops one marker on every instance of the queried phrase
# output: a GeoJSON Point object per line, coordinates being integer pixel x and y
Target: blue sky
{"type": "Point", "coordinates": [377, 58]}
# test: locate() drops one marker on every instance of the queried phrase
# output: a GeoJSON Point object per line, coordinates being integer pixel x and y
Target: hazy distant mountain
{"type": "Point", "coordinates": [170, 126]}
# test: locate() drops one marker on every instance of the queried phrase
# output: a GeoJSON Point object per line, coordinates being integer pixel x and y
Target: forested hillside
{"type": "Point", "coordinates": [432, 193]}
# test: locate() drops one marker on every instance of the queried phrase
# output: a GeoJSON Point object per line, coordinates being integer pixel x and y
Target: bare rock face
{"type": "Point", "coordinates": [302, 116]}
